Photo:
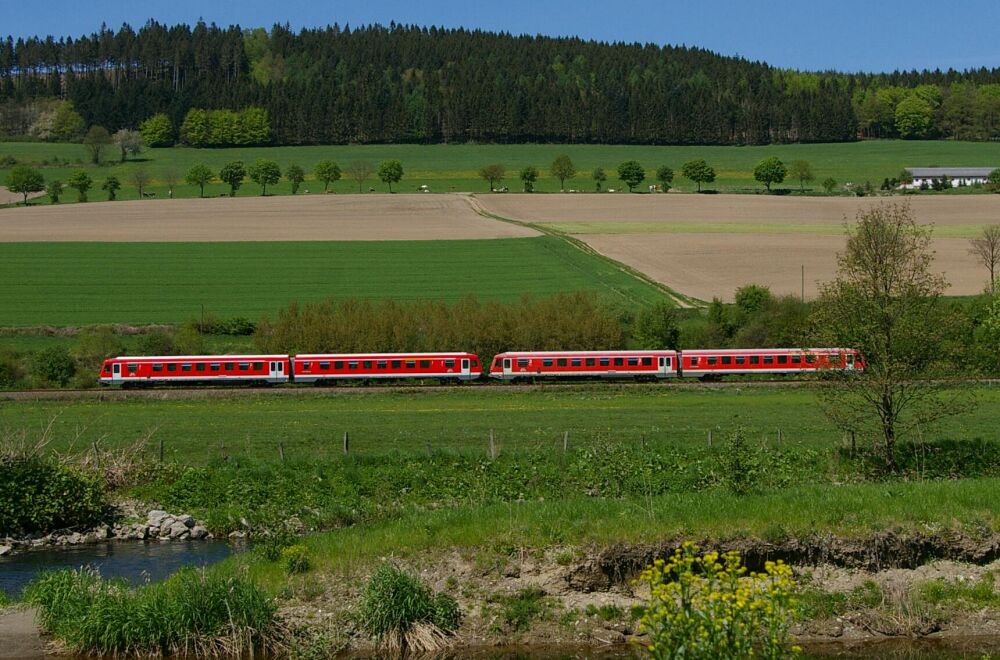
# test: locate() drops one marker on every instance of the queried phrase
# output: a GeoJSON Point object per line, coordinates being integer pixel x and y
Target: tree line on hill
{"type": "Point", "coordinates": [399, 83]}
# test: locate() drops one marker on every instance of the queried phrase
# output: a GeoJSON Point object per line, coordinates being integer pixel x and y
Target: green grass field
{"type": "Point", "coordinates": [448, 168]}
{"type": "Point", "coordinates": [311, 426]}
{"type": "Point", "coordinates": [90, 283]}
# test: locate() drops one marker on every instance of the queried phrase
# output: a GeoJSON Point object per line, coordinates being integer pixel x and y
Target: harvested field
{"type": "Point", "coordinates": [708, 245]}
{"type": "Point", "coordinates": [300, 218]}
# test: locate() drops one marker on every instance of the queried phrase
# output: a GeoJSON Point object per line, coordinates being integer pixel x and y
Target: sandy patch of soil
{"type": "Point", "coordinates": [710, 265]}
{"type": "Point", "coordinates": [284, 218]}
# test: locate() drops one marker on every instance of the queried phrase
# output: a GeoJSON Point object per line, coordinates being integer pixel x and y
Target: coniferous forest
{"type": "Point", "coordinates": [400, 83]}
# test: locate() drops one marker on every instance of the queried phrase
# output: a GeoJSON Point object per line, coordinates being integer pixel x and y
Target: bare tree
{"type": "Point", "coordinates": [360, 171]}
{"type": "Point", "coordinates": [139, 178]}
{"type": "Point", "coordinates": [986, 249]}
{"type": "Point", "coordinates": [129, 141]}
{"type": "Point", "coordinates": [171, 177]}
{"type": "Point", "coordinates": [886, 303]}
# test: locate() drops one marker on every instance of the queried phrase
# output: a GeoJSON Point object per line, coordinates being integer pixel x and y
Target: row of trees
{"type": "Point", "coordinates": [395, 83]}
{"type": "Point", "coordinates": [266, 172]}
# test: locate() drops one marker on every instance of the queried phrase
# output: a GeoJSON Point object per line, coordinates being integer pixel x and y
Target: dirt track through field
{"type": "Point", "coordinates": [300, 218]}
{"type": "Point", "coordinates": [8, 197]}
{"type": "Point", "coordinates": [744, 238]}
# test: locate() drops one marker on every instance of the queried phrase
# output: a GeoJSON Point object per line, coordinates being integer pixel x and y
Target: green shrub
{"type": "Point", "coordinates": [295, 559]}
{"type": "Point", "coordinates": [195, 612]}
{"type": "Point", "coordinates": [394, 602]}
{"type": "Point", "coordinates": [519, 609]}
{"type": "Point", "coordinates": [741, 464]}
{"type": "Point", "coordinates": [11, 372]}
{"type": "Point", "coordinates": [38, 494]}
{"type": "Point", "coordinates": [53, 365]}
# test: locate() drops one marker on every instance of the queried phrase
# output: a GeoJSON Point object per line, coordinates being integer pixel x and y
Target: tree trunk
{"type": "Point", "coordinates": [889, 433]}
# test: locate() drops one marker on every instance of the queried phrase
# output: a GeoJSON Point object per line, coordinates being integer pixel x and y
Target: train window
{"type": "Point", "coordinates": [244, 366]}
{"type": "Point", "coordinates": [339, 364]}
{"type": "Point", "coordinates": [157, 367]}
{"type": "Point", "coordinates": [326, 365]}
{"type": "Point", "coordinates": [782, 359]}
{"type": "Point", "coordinates": [425, 364]}
{"type": "Point", "coordinates": [740, 359]}
{"type": "Point", "coordinates": [449, 364]}
{"type": "Point", "coordinates": [561, 362]}
{"type": "Point", "coordinates": [605, 362]}
{"type": "Point", "coordinates": [353, 364]}
{"type": "Point", "coordinates": [107, 368]}
{"type": "Point", "coordinates": [257, 366]}
{"type": "Point", "coordinates": [647, 361]}
{"type": "Point", "coordinates": [768, 359]}
{"type": "Point", "coordinates": [215, 366]}
{"type": "Point", "coordinates": [133, 368]}
{"type": "Point", "coordinates": [810, 359]}
{"type": "Point", "coordinates": [694, 361]}
{"type": "Point", "coordinates": [668, 361]}
{"type": "Point", "coordinates": [306, 366]}
{"type": "Point", "coordinates": [383, 364]}
{"type": "Point", "coordinates": [835, 360]}
{"type": "Point", "coordinates": [200, 366]}
{"type": "Point", "coordinates": [712, 360]}
{"type": "Point", "coordinates": [576, 362]}
{"type": "Point", "coordinates": [796, 359]}
{"type": "Point", "coordinates": [229, 366]}
{"type": "Point", "coordinates": [396, 364]}
{"type": "Point", "coordinates": [590, 362]}
{"type": "Point", "coordinates": [619, 362]}
{"type": "Point", "coordinates": [367, 364]}
{"type": "Point", "coordinates": [547, 362]}
{"type": "Point", "coordinates": [633, 362]}
{"type": "Point", "coordinates": [411, 364]}
{"type": "Point", "coordinates": [171, 367]}
{"type": "Point", "coordinates": [523, 362]}
{"type": "Point", "coordinates": [727, 359]}
{"type": "Point", "coordinates": [754, 359]}
{"type": "Point", "coordinates": [185, 367]}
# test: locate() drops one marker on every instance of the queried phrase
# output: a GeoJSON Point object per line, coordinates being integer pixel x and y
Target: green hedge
{"type": "Point", "coordinates": [38, 494]}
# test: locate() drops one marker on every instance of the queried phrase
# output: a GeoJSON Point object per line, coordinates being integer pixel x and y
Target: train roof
{"type": "Point", "coordinates": [752, 351]}
{"type": "Point", "coordinates": [595, 353]}
{"type": "Point", "coordinates": [165, 358]}
{"type": "Point", "coordinates": [342, 356]}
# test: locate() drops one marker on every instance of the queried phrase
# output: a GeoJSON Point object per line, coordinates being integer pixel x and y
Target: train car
{"type": "Point", "coordinates": [722, 362]}
{"type": "Point", "coordinates": [190, 369]}
{"type": "Point", "coordinates": [314, 368]}
{"type": "Point", "coordinates": [580, 364]}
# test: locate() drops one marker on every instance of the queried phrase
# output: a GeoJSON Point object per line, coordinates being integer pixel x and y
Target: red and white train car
{"type": "Point", "coordinates": [590, 364]}
{"type": "Point", "coordinates": [196, 369]}
{"type": "Point", "coordinates": [313, 368]}
{"type": "Point", "coordinates": [722, 362]}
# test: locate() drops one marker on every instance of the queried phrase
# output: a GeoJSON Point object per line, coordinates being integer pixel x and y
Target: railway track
{"type": "Point", "coordinates": [232, 392]}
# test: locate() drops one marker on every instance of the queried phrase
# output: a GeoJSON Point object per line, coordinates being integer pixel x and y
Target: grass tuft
{"type": "Point", "coordinates": [401, 612]}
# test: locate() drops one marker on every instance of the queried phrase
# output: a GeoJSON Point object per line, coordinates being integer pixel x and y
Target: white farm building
{"type": "Point", "coordinates": [958, 176]}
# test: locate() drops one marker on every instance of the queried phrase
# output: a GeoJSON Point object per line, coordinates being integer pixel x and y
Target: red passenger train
{"type": "Point", "coordinates": [332, 367]}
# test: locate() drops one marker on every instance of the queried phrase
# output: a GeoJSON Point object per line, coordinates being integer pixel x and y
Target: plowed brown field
{"type": "Point", "coordinates": [300, 218]}
{"type": "Point", "coordinates": [708, 245]}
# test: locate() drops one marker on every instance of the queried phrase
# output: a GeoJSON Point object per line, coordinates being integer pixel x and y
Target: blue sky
{"type": "Point", "coordinates": [847, 35]}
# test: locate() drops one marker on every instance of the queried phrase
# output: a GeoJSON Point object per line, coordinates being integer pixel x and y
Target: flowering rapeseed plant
{"type": "Point", "coordinates": [709, 606]}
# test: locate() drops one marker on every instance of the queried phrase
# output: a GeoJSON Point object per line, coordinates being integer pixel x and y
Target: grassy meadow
{"type": "Point", "coordinates": [452, 168]}
{"type": "Point", "coordinates": [91, 283]}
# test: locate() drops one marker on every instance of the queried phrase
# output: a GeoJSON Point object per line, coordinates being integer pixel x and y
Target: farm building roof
{"type": "Point", "coordinates": [953, 172]}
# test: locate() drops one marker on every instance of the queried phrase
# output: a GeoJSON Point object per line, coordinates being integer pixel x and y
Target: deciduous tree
{"type": "Point", "coordinates": [96, 141]}
{"type": "Point", "coordinates": [328, 172]}
{"type": "Point", "coordinates": [528, 176]}
{"type": "Point", "coordinates": [25, 180]}
{"type": "Point", "coordinates": [770, 170]}
{"type": "Point", "coordinates": [802, 170]}
{"type": "Point", "coordinates": [493, 173]}
{"type": "Point", "coordinates": [360, 171]}
{"type": "Point", "coordinates": [139, 178]}
{"type": "Point", "coordinates": [886, 302]}
{"type": "Point", "coordinates": [986, 249]}
{"type": "Point", "coordinates": [390, 172]}
{"type": "Point", "coordinates": [232, 174]}
{"type": "Point", "coordinates": [129, 141]}
{"type": "Point", "coordinates": [199, 175]}
{"type": "Point", "coordinates": [665, 175]}
{"type": "Point", "coordinates": [295, 175]}
{"type": "Point", "coordinates": [562, 169]}
{"type": "Point", "coordinates": [112, 185]}
{"type": "Point", "coordinates": [631, 173]}
{"type": "Point", "coordinates": [54, 190]}
{"type": "Point", "coordinates": [698, 171]}
{"type": "Point", "coordinates": [993, 180]}
{"type": "Point", "coordinates": [599, 177]}
{"type": "Point", "coordinates": [157, 131]}
{"type": "Point", "coordinates": [264, 172]}
{"type": "Point", "coordinates": [829, 183]}
{"type": "Point", "coordinates": [81, 182]}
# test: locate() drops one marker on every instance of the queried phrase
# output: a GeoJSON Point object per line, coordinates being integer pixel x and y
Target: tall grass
{"type": "Point", "coordinates": [194, 613]}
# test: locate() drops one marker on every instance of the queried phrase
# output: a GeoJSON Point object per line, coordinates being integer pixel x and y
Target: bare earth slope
{"type": "Point", "coordinates": [300, 218]}
{"type": "Point", "coordinates": [708, 245]}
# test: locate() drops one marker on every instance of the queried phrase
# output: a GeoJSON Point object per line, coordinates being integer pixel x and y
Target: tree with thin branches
{"type": "Point", "coordinates": [986, 249]}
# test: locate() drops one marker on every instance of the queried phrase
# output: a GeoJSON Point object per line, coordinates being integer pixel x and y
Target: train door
{"type": "Point", "coordinates": [116, 373]}
{"type": "Point", "coordinates": [276, 373]}
{"type": "Point", "coordinates": [508, 370]}
{"type": "Point", "coordinates": [665, 366]}
{"type": "Point", "coordinates": [849, 361]}
{"type": "Point", "coordinates": [466, 367]}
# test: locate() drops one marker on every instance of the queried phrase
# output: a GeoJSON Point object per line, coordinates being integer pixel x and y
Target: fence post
{"type": "Point", "coordinates": [709, 437]}
{"type": "Point", "coordinates": [97, 455]}
{"type": "Point", "coordinates": [493, 447]}
{"type": "Point", "coordinates": [161, 450]}
{"type": "Point", "coordinates": [281, 451]}
{"type": "Point", "coordinates": [347, 442]}
{"type": "Point", "coordinates": [565, 441]}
